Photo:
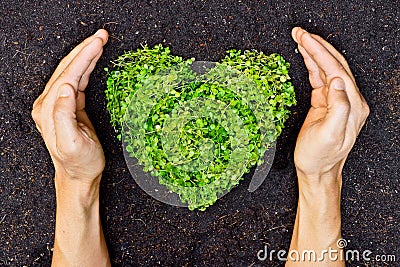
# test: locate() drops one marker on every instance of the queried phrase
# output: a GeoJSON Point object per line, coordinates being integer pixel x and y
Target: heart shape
{"type": "Point", "coordinates": [197, 132]}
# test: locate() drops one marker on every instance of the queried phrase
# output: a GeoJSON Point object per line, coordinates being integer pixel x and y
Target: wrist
{"type": "Point", "coordinates": [319, 188]}
{"type": "Point", "coordinates": [320, 179]}
{"type": "Point", "coordinates": [77, 193]}
{"type": "Point", "coordinates": [78, 224]}
{"type": "Point", "coordinates": [319, 202]}
{"type": "Point", "coordinates": [318, 219]}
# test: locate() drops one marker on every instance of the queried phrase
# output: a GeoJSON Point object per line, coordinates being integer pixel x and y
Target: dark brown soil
{"type": "Point", "coordinates": [35, 35]}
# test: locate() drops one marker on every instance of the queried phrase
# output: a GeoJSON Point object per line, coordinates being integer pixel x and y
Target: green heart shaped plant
{"type": "Point", "coordinates": [198, 133]}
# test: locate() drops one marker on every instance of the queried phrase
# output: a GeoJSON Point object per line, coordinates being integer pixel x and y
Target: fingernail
{"type": "Point", "coordinates": [338, 84]}
{"type": "Point", "coordinates": [98, 33]}
{"type": "Point", "coordinates": [294, 31]}
{"type": "Point", "coordinates": [64, 91]}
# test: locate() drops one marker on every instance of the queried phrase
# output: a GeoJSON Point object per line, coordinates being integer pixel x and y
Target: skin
{"type": "Point", "coordinates": [337, 114]}
{"type": "Point", "coordinates": [77, 156]}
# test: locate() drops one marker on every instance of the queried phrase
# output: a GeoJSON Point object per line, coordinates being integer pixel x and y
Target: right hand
{"type": "Point", "coordinates": [338, 110]}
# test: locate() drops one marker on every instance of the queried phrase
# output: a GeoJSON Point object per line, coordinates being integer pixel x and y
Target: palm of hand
{"type": "Point", "coordinates": [318, 150]}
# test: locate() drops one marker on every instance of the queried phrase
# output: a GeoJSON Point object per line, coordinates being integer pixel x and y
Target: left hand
{"type": "Point", "coordinates": [61, 119]}
{"type": "Point", "coordinates": [338, 110]}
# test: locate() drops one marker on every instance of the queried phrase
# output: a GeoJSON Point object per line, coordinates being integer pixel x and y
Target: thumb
{"type": "Point", "coordinates": [65, 124]}
{"type": "Point", "coordinates": [338, 107]}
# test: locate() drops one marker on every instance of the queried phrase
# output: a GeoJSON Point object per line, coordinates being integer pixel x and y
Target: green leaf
{"type": "Point", "coordinates": [236, 147]}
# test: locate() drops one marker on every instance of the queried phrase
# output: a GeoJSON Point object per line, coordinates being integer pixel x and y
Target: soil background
{"type": "Point", "coordinates": [140, 231]}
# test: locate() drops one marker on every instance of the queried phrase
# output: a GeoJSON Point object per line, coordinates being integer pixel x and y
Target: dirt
{"type": "Point", "coordinates": [35, 35]}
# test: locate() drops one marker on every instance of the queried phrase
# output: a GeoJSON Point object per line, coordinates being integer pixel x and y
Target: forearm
{"type": "Point", "coordinates": [79, 239]}
{"type": "Point", "coordinates": [318, 222]}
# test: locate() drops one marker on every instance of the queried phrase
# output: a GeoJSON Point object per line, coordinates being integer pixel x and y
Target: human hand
{"type": "Point", "coordinates": [61, 119]}
{"type": "Point", "coordinates": [77, 156]}
{"type": "Point", "coordinates": [338, 110]}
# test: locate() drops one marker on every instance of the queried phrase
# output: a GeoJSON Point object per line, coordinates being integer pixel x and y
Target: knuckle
{"type": "Point", "coordinates": [35, 115]}
{"type": "Point", "coordinates": [37, 101]}
{"type": "Point", "coordinates": [363, 110]}
{"type": "Point", "coordinates": [366, 109]}
{"type": "Point", "coordinates": [36, 118]}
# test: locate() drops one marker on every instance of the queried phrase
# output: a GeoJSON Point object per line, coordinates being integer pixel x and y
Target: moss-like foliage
{"type": "Point", "coordinates": [198, 133]}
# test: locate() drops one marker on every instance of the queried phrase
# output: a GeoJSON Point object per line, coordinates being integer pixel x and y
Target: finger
{"type": "Point", "coordinates": [80, 101]}
{"type": "Point", "coordinates": [65, 124]}
{"type": "Point", "coordinates": [328, 64]}
{"type": "Point", "coordinates": [89, 133]}
{"type": "Point", "coordinates": [73, 73]}
{"type": "Point", "coordinates": [67, 60]}
{"type": "Point", "coordinates": [101, 34]}
{"type": "Point", "coordinates": [80, 64]}
{"type": "Point", "coordinates": [327, 45]}
{"type": "Point", "coordinates": [295, 30]}
{"type": "Point", "coordinates": [85, 77]}
{"type": "Point", "coordinates": [335, 53]}
{"type": "Point", "coordinates": [321, 56]}
{"type": "Point", "coordinates": [317, 78]}
{"type": "Point", "coordinates": [338, 110]}
{"type": "Point", "coordinates": [318, 98]}
{"type": "Point", "coordinates": [83, 118]}
{"type": "Point", "coordinates": [81, 114]}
